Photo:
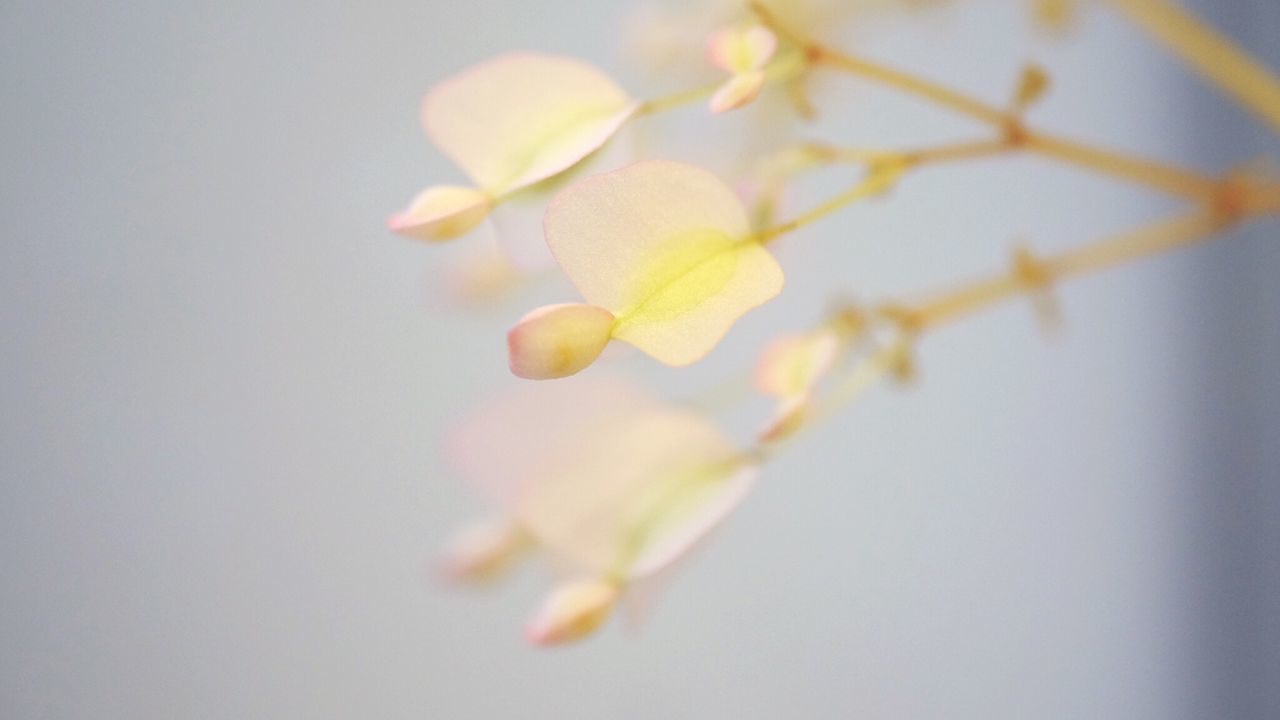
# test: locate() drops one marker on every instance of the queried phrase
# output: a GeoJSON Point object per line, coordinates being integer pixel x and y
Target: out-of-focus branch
{"type": "Point", "coordinates": [1212, 55]}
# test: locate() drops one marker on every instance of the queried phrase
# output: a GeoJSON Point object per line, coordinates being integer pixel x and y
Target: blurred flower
{"type": "Point", "coordinates": [572, 612]}
{"type": "Point", "coordinates": [509, 123]}
{"type": "Point", "coordinates": [742, 52]}
{"type": "Point", "coordinates": [789, 369]}
{"type": "Point", "coordinates": [483, 551]}
{"type": "Point", "coordinates": [793, 366]}
{"type": "Point", "coordinates": [609, 482]}
{"type": "Point", "coordinates": [662, 247]}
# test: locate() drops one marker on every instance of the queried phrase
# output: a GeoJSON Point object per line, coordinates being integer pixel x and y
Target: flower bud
{"type": "Point", "coordinates": [483, 551]}
{"type": "Point", "coordinates": [740, 49]}
{"type": "Point", "coordinates": [737, 91]}
{"type": "Point", "coordinates": [558, 340]}
{"type": "Point", "coordinates": [442, 213]}
{"type": "Point", "coordinates": [572, 612]}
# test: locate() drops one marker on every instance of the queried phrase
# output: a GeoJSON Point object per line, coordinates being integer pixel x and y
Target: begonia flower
{"type": "Point", "coordinates": [510, 123]}
{"type": "Point", "coordinates": [483, 551]}
{"type": "Point", "coordinates": [665, 249]}
{"type": "Point", "coordinates": [611, 484]}
{"type": "Point", "coordinates": [742, 52]}
{"type": "Point", "coordinates": [789, 369]}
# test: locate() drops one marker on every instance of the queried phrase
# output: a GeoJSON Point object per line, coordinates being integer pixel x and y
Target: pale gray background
{"type": "Point", "coordinates": [222, 384]}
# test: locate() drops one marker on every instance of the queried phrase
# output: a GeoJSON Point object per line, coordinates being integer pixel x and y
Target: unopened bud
{"type": "Point", "coordinates": [558, 340]}
{"type": "Point", "coordinates": [442, 213]}
{"type": "Point", "coordinates": [483, 551]}
{"type": "Point", "coordinates": [737, 91]}
{"type": "Point", "coordinates": [572, 612]}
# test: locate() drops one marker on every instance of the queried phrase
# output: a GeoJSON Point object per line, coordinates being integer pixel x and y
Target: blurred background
{"type": "Point", "coordinates": [223, 384]}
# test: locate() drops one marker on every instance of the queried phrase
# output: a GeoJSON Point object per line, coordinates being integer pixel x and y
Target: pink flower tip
{"type": "Point", "coordinates": [572, 612]}
{"type": "Point", "coordinates": [556, 341]}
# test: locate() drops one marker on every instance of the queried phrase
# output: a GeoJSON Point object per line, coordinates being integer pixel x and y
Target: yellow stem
{"type": "Point", "coordinates": [909, 84]}
{"type": "Point", "coordinates": [886, 167]}
{"type": "Point", "coordinates": [676, 100]}
{"type": "Point", "coordinates": [873, 184]}
{"type": "Point", "coordinates": [1168, 179]}
{"type": "Point", "coordinates": [782, 68]}
{"type": "Point", "coordinates": [1211, 54]}
{"type": "Point", "coordinates": [1172, 180]}
{"type": "Point", "coordinates": [1200, 225]}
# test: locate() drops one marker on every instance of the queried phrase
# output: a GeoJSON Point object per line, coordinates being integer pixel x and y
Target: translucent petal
{"type": "Point", "coordinates": [635, 493]}
{"type": "Point", "coordinates": [740, 49]}
{"type": "Point", "coordinates": [442, 213]}
{"type": "Point", "coordinates": [558, 340]}
{"type": "Point", "coordinates": [572, 612]}
{"type": "Point", "coordinates": [483, 551]}
{"type": "Point", "coordinates": [737, 91]}
{"type": "Point", "coordinates": [533, 422]}
{"type": "Point", "coordinates": [665, 247]}
{"type": "Point", "coordinates": [523, 117]}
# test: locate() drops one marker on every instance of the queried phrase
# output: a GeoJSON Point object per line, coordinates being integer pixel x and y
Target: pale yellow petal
{"type": "Point", "coordinates": [737, 91]}
{"type": "Point", "coordinates": [635, 492]}
{"type": "Point", "coordinates": [523, 117]}
{"type": "Point", "coordinates": [666, 247]}
{"type": "Point", "coordinates": [558, 340]}
{"type": "Point", "coordinates": [572, 612]}
{"type": "Point", "coordinates": [532, 422]}
{"type": "Point", "coordinates": [483, 551]}
{"type": "Point", "coordinates": [442, 213]}
{"type": "Point", "coordinates": [740, 49]}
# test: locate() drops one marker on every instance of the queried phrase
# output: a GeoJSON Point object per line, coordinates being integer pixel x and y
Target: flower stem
{"type": "Point", "coordinates": [874, 183]}
{"type": "Point", "coordinates": [1176, 181]}
{"type": "Point", "coordinates": [1200, 225]}
{"type": "Point", "coordinates": [1211, 54]}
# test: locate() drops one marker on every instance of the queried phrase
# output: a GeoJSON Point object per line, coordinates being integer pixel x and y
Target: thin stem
{"type": "Point", "coordinates": [1028, 276]}
{"type": "Point", "coordinates": [1200, 225]}
{"type": "Point", "coordinates": [909, 84]}
{"type": "Point", "coordinates": [886, 167]}
{"type": "Point", "coordinates": [1168, 179]}
{"type": "Point", "coordinates": [780, 69]}
{"type": "Point", "coordinates": [874, 183]}
{"type": "Point", "coordinates": [676, 100]}
{"type": "Point", "coordinates": [1211, 54]}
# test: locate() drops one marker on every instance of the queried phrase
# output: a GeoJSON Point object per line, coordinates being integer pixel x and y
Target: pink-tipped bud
{"type": "Point", "coordinates": [740, 49]}
{"type": "Point", "coordinates": [442, 213]}
{"type": "Point", "coordinates": [737, 91]}
{"type": "Point", "coordinates": [558, 340]}
{"type": "Point", "coordinates": [572, 612]}
{"type": "Point", "coordinates": [483, 551]}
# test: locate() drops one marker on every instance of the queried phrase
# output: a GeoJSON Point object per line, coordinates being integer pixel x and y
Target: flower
{"type": "Point", "coordinates": [789, 369]}
{"type": "Point", "coordinates": [612, 484]}
{"type": "Point", "coordinates": [510, 123]}
{"type": "Point", "coordinates": [483, 551]}
{"type": "Point", "coordinates": [665, 249]}
{"type": "Point", "coordinates": [742, 52]}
